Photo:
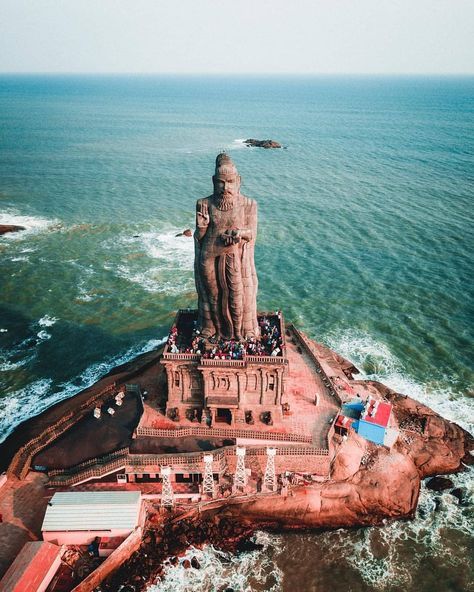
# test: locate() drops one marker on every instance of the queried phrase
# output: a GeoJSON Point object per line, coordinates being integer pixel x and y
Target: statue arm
{"type": "Point", "coordinates": [243, 234]}
{"type": "Point", "coordinates": [251, 230]}
{"type": "Point", "coordinates": [202, 219]}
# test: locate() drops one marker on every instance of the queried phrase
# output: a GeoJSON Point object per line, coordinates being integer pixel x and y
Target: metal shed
{"type": "Point", "coordinates": [75, 518]}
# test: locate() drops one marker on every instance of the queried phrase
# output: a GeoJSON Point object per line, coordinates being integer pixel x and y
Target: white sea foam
{"type": "Point", "coordinates": [173, 254]}
{"type": "Point", "coordinates": [377, 362]}
{"type": "Point", "coordinates": [27, 402]}
{"type": "Point", "coordinates": [10, 366]}
{"type": "Point", "coordinates": [244, 572]}
{"type": "Point", "coordinates": [32, 224]}
{"type": "Point", "coordinates": [83, 294]}
{"type": "Point", "coordinates": [43, 335]}
{"type": "Point", "coordinates": [3, 330]}
{"type": "Point", "coordinates": [47, 321]}
{"type": "Point", "coordinates": [436, 515]}
{"type": "Point", "coordinates": [239, 143]}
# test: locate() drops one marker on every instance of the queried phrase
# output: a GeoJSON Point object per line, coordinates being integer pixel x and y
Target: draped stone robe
{"type": "Point", "coordinates": [226, 279]}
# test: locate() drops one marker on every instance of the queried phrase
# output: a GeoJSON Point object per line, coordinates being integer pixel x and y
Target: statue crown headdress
{"type": "Point", "coordinates": [224, 165]}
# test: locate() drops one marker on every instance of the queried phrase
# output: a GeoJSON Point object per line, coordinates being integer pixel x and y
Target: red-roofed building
{"type": "Point", "coordinates": [374, 420]}
{"type": "Point", "coordinates": [342, 424]}
{"type": "Point", "coordinates": [33, 568]}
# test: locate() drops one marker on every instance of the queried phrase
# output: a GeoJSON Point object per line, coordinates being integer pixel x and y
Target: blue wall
{"type": "Point", "coordinates": [371, 432]}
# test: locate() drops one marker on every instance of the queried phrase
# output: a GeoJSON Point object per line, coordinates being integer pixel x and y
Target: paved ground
{"type": "Point", "coordinates": [22, 505]}
{"type": "Point", "coordinates": [304, 387]}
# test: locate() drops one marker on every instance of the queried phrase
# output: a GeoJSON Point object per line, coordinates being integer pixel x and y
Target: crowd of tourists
{"type": "Point", "coordinates": [269, 343]}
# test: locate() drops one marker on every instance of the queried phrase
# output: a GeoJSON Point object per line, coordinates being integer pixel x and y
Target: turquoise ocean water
{"type": "Point", "coordinates": [365, 241]}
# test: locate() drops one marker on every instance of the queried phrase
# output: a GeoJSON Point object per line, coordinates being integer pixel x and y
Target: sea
{"type": "Point", "coordinates": [365, 241]}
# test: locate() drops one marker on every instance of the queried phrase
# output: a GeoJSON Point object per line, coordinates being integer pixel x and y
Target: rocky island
{"type": "Point", "coordinates": [262, 143]}
{"type": "Point", "coordinates": [5, 228]}
{"type": "Point", "coordinates": [239, 421]}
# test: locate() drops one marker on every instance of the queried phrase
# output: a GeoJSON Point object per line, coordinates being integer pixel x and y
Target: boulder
{"type": "Point", "coordinates": [4, 228]}
{"type": "Point", "coordinates": [262, 143]}
{"type": "Point", "coordinates": [439, 483]}
{"type": "Point", "coordinates": [461, 494]}
{"type": "Point", "coordinates": [188, 232]}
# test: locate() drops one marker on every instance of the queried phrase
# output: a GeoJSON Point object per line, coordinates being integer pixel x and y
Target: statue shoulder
{"type": "Point", "coordinates": [203, 201]}
{"type": "Point", "coordinates": [249, 202]}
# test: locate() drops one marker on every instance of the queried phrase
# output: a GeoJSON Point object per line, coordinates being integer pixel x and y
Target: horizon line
{"type": "Point", "coordinates": [229, 74]}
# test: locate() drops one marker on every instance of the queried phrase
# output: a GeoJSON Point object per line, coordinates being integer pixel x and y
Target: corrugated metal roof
{"type": "Point", "coordinates": [92, 510]}
{"type": "Point", "coordinates": [31, 566]}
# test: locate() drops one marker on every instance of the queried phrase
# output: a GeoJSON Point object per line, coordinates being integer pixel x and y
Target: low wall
{"type": "Point", "coordinates": [20, 464]}
{"type": "Point", "coordinates": [113, 561]}
{"type": "Point", "coordinates": [222, 433]}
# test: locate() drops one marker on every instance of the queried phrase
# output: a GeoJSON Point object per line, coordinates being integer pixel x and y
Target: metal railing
{"type": "Point", "coordinates": [21, 462]}
{"type": "Point", "coordinates": [98, 467]}
{"type": "Point", "coordinates": [222, 433]}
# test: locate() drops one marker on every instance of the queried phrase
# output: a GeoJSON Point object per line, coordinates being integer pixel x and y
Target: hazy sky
{"type": "Point", "coordinates": [237, 36]}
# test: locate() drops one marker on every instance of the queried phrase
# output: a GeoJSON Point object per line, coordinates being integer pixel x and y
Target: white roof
{"type": "Point", "coordinates": [92, 510]}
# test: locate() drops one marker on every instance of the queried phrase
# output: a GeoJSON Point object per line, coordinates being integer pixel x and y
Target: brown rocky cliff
{"type": "Point", "coordinates": [367, 484]}
{"type": "Point", "coordinates": [435, 444]}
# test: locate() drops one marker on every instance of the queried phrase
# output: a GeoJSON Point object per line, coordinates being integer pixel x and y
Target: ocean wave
{"type": "Point", "coordinates": [33, 399]}
{"type": "Point", "coordinates": [239, 143]}
{"type": "Point", "coordinates": [245, 572]}
{"type": "Point", "coordinates": [380, 553]}
{"type": "Point", "coordinates": [153, 281]}
{"type": "Point", "coordinates": [173, 255]}
{"type": "Point", "coordinates": [165, 246]}
{"type": "Point", "coordinates": [47, 321]}
{"type": "Point", "coordinates": [32, 224]}
{"type": "Point", "coordinates": [377, 362]}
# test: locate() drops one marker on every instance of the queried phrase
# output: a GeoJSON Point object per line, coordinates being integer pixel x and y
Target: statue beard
{"type": "Point", "coordinates": [225, 201]}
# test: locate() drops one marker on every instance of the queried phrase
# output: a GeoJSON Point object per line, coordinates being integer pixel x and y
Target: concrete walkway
{"type": "Point", "coordinates": [304, 387]}
{"type": "Point", "coordinates": [22, 505]}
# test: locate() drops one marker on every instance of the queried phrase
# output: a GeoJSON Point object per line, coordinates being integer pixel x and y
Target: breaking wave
{"type": "Point", "coordinates": [170, 270]}
{"type": "Point", "coordinates": [47, 321]}
{"type": "Point", "coordinates": [377, 362]}
{"type": "Point", "coordinates": [32, 224]}
{"type": "Point", "coordinates": [246, 572]}
{"type": "Point", "coordinates": [33, 399]}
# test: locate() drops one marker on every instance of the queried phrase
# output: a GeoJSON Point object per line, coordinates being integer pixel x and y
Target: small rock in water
{"type": "Point", "coordinates": [439, 483]}
{"type": "Point", "coordinates": [187, 232]}
{"type": "Point", "coordinates": [4, 228]}
{"type": "Point", "coordinates": [195, 563]}
{"type": "Point", "coordinates": [246, 546]}
{"type": "Point", "coordinates": [460, 493]}
{"type": "Point", "coordinates": [262, 143]}
{"type": "Point", "coordinates": [186, 564]}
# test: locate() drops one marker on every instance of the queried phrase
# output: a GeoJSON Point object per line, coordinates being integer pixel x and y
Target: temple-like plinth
{"type": "Point", "coordinates": [227, 381]}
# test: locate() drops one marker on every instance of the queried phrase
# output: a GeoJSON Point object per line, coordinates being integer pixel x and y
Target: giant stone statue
{"type": "Point", "coordinates": [224, 268]}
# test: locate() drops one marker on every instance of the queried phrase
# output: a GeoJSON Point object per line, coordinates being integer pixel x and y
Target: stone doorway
{"type": "Point", "coordinates": [223, 415]}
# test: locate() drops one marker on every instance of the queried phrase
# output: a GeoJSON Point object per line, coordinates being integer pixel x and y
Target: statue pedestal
{"type": "Point", "coordinates": [235, 389]}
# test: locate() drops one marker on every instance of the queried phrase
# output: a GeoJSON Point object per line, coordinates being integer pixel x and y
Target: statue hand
{"type": "Point", "coordinates": [202, 216]}
{"type": "Point", "coordinates": [230, 237]}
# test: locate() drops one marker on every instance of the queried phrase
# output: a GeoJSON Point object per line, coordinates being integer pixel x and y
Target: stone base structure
{"type": "Point", "coordinates": [222, 390]}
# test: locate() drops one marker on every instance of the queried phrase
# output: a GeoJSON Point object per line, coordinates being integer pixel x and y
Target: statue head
{"type": "Point", "coordinates": [226, 181]}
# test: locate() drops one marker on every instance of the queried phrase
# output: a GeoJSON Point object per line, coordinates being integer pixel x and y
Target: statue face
{"type": "Point", "coordinates": [226, 186]}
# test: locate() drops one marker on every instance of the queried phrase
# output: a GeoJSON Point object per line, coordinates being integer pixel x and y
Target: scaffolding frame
{"type": "Point", "coordinates": [208, 480]}
{"type": "Point", "coordinates": [167, 496]}
{"type": "Point", "coordinates": [269, 479]}
{"type": "Point", "coordinates": [240, 477]}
